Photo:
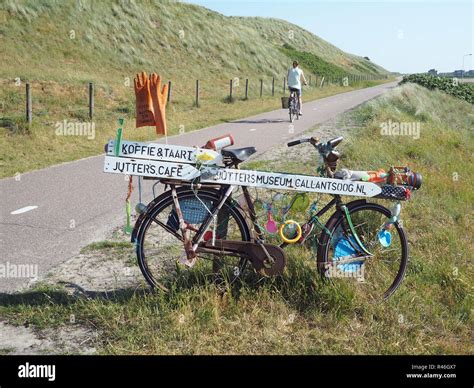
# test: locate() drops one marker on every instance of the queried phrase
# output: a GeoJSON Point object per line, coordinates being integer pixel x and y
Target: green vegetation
{"type": "Point", "coordinates": [48, 44]}
{"type": "Point", "coordinates": [431, 313]}
{"type": "Point", "coordinates": [313, 63]}
{"type": "Point", "coordinates": [464, 91]}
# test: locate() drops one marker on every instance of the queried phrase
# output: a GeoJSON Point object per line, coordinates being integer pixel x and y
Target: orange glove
{"type": "Point", "coordinates": [159, 98]}
{"type": "Point", "coordinates": [144, 102]}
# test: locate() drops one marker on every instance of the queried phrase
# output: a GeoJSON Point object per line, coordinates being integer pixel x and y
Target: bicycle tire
{"type": "Point", "coordinates": [337, 220]}
{"type": "Point", "coordinates": [165, 201]}
{"type": "Point", "coordinates": [291, 110]}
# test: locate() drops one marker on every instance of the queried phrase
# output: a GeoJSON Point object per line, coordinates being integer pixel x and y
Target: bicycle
{"type": "Point", "coordinates": [202, 226]}
{"type": "Point", "coordinates": [293, 106]}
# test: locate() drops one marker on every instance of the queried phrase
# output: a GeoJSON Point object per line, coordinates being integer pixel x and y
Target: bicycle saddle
{"type": "Point", "coordinates": [239, 154]}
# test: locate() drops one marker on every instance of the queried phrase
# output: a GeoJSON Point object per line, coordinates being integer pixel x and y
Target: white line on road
{"type": "Point", "coordinates": [253, 129]}
{"type": "Point", "coordinates": [23, 210]}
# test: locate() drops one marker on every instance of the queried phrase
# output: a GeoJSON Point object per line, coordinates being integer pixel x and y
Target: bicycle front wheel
{"type": "Point", "coordinates": [160, 246]}
{"type": "Point", "coordinates": [376, 273]}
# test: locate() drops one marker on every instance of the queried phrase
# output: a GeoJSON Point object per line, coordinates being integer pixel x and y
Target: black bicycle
{"type": "Point", "coordinates": [293, 106]}
{"type": "Point", "coordinates": [206, 229]}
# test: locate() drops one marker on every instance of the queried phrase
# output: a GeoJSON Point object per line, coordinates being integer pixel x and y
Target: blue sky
{"type": "Point", "coordinates": [404, 36]}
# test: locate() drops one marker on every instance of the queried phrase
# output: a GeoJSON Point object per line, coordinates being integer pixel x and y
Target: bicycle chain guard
{"type": "Point", "coordinates": [252, 251]}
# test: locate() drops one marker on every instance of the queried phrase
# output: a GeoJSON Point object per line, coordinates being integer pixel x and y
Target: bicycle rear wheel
{"type": "Point", "coordinates": [159, 246]}
{"type": "Point", "coordinates": [291, 109]}
{"type": "Point", "coordinates": [377, 275]}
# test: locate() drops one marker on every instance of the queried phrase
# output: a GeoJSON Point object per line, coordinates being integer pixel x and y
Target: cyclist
{"type": "Point", "coordinates": [295, 74]}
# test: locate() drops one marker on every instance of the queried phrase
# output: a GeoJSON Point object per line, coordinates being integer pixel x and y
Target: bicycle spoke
{"type": "Point", "coordinates": [381, 270]}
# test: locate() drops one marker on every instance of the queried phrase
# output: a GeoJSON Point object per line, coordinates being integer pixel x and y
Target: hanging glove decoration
{"type": "Point", "coordinates": [159, 97]}
{"type": "Point", "coordinates": [144, 103]}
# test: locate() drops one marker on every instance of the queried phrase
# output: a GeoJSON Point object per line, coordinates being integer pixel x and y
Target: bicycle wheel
{"type": "Point", "coordinates": [159, 246]}
{"type": "Point", "coordinates": [291, 110]}
{"type": "Point", "coordinates": [377, 275]}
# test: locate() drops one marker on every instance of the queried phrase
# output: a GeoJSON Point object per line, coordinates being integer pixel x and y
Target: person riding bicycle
{"type": "Point", "coordinates": [295, 74]}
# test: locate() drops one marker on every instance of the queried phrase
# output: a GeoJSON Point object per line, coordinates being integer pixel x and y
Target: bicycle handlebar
{"type": "Point", "coordinates": [313, 140]}
{"type": "Point", "coordinates": [296, 142]}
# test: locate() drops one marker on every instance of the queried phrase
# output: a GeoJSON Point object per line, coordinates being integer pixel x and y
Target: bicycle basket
{"type": "Point", "coordinates": [285, 102]}
{"type": "Point", "coordinates": [194, 212]}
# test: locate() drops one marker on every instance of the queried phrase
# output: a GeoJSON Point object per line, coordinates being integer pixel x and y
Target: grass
{"type": "Point", "coordinates": [48, 44]}
{"type": "Point", "coordinates": [296, 313]}
{"type": "Point", "coordinates": [313, 63]}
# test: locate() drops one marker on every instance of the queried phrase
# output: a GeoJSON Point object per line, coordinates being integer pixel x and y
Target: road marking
{"type": "Point", "coordinates": [23, 210]}
{"type": "Point", "coordinates": [253, 129]}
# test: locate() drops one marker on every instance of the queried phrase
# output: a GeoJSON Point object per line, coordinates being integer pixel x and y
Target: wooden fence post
{"type": "Point", "coordinates": [284, 85]}
{"type": "Point", "coordinates": [273, 86]}
{"type": "Point", "coordinates": [91, 100]}
{"type": "Point", "coordinates": [29, 111]}
{"type": "Point", "coordinates": [197, 93]}
{"type": "Point", "coordinates": [261, 88]}
{"type": "Point", "coordinates": [247, 89]}
{"type": "Point", "coordinates": [230, 91]}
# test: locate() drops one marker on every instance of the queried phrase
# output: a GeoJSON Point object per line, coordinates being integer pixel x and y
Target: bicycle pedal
{"type": "Point", "coordinates": [183, 259]}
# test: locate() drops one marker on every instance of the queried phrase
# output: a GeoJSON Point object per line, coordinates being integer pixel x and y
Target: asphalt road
{"type": "Point", "coordinates": [76, 203]}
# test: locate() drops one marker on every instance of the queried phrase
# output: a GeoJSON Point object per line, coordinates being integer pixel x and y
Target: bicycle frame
{"type": "Point", "coordinates": [191, 245]}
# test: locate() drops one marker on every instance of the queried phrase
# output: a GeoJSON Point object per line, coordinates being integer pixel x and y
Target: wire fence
{"type": "Point", "coordinates": [237, 88]}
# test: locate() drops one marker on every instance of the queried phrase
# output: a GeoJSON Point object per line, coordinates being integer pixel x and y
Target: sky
{"type": "Point", "coordinates": [402, 36]}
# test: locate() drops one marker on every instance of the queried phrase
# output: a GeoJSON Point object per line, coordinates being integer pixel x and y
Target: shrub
{"type": "Point", "coordinates": [464, 91]}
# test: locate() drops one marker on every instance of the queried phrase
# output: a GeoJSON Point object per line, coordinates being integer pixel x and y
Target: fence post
{"type": "Point", "coordinates": [29, 112]}
{"type": "Point", "coordinates": [91, 100]}
{"type": "Point", "coordinates": [309, 83]}
{"type": "Point", "coordinates": [273, 86]}
{"type": "Point", "coordinates": [168, 100]}
{"type": "Point", "coordinates": [197, 93]}
{"type": "Point", "coordinates": [247, 89]}
{"type": "Point", "coordinates": [261, 88]}
{"type": "Point", "coordinates": [284, 85]}
{"type": "Point", "coordinates": [230, 91]}
{"type": "Point", "coordinates": [322, 82]}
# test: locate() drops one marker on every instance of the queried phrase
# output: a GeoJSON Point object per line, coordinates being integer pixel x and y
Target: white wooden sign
{"type": "Point", "coordinates": [227, 176]}
{"type": "Point", "coordinates": [164, 152]}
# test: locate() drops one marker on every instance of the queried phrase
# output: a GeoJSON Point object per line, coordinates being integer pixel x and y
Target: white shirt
{"type": "Point", "coordinates": [294, 75]}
